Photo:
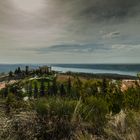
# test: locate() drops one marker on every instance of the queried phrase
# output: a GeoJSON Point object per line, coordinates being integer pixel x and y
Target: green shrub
{"type": "Point", "coordinates": [55, 115]}
{"type": "Point", "coordinates": [115, 101]}
{"type": "Point", "coordinates": [132, 99]}
{"type": "Point", "coordinates": [10, 102]}
{"type": "Point", "coordinates": [94, 111]}
{"type": "Point", "coordinates": [58, 107]}
{"type": "Point", "coordinates": [41, 107]}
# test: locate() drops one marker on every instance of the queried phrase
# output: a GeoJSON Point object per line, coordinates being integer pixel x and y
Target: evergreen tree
{"type": "Point", "coordinates": [104, 86]}
{"type": "Point", "coordinates": [10, 74]}
{"type": "Point", "coordinates": [17, 91]}
{"type": "Point", "coordinates": [54, 87]}
{"type": "Point", "coordinates": [69, 86]}
{"type": "Point", "coordinates": [27, 70]}
{"type": "Point", "coordinates": [42, 88]}
{"type": "Point", "coordinates": [18, 70]}
{"type": "Point", "coordinates": [35, 90]}
{"type": "Point", "coordinates": [30, 89]}
{"type": "Point", "coordinates": [62, 90]}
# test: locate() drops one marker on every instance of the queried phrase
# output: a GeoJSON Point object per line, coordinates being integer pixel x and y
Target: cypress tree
{"type": "Point", "coordinates": [54, 87]}
{"type": "Point", "coordinates": [69, 86]}
{"type": "Point", "coordinates": [42, 88]}
{"type": "Point", "coordinates": [30, 89]}
{"type": "Point", "coordinates": [104, 86]}
{"type": "Point", "coordinates": [27, 70]}
{"type": "Point", "coordinates": [35, 90]}
{"type": "Point", "coordinates": [62, 90]}
{"type": "Point", "coordinates": [10, 74]}
{"type": "Point", "coordinates": [18, 70]}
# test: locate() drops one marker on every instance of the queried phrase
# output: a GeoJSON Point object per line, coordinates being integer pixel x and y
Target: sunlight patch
{"type": "Point", "coordinates": [29, 5]}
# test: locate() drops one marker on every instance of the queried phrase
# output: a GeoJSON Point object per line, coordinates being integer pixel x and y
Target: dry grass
{"type": "Point", "coordinates": [64, 78]}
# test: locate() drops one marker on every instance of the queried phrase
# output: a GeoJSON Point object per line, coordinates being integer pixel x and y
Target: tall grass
{"type": "Point", "coordinates": [89, 115]}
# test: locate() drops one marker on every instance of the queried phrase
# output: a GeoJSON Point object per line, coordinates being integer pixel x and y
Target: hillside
{"type": "Point", "coordinates": [42, 104]}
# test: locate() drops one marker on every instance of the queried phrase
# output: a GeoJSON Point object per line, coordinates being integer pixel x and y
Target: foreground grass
{"type": "Point", "coordinates": [88, 115]}
{"type": "Point", "coordinates": [56, 118]}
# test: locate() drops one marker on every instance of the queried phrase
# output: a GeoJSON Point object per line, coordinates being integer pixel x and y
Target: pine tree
{"type": "Point", "coordinates": [18, 70]}
{"type": "Point", "coordinates": [30, 89]}
{"type": "Point", "coordinates": [104, 86]}
{"type": "Point", "coordinates": [35, 90]}
{"type": "Point", "coordinates": [62, 90]}
{"type": "Point", "coordinates": [10, 74]}
{"type": "Point", "coordinates": [69, 86]}
{"type": "Point", "coordinates": [42, 88]}
{"type": "Point", "coordinates": [27, 70]}
{"type": "Point", "coordinates": [54, 87]}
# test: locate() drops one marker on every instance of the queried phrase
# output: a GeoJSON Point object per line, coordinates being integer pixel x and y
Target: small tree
{"type": "Point", "coordinates": [35, 90]}
{"type": "Point", "coordinates": [10, 74]}
{"type": "Point", "coordinates": [16, 72]}
{"type": "Point", "coordinates": [69, 86]}
{"type": "Point", "coordinates": [42, 88]}
{"type": "Point", "coordinates": [16, 89]}
{"type": "Point", "coordinates": [30, 89]}
{"type": "Point", "coordinates": [19, 70]}
{"type": "Point", "coordinates": [27, 70]}
{"type": "Point", "coordinates": [62, 90]}
{"type": "Point", "coordinates": [54, 87]}
{"type": "Point", "coordinates": [104, 86]}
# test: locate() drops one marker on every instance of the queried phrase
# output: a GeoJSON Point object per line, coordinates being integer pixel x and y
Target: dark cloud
{"type": "Point", "coordinates": [93, 28]}
{"type": "Point", "coordinates": [112, 8]}
{"type": "Point", "coordinates": [101, 9]}
{"type": "Point", "coordinates": [73, 48]}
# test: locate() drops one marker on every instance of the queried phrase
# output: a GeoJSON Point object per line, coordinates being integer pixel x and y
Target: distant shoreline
{"type": "Point", "coordinates": [110, 71]}
{"type": "Point", "coordinates": [100, 75]}
{"type": "Point", "coordinates": [121, 69]}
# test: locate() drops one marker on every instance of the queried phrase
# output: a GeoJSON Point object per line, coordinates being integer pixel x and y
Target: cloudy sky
{"type": "Point", "coordinates": [69, 31]}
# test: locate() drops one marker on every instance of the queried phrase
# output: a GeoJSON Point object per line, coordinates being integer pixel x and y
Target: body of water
{"type": "Point", "coordinates": [5, 68]}
{"type": "Point", "coordinates": [124, 69]}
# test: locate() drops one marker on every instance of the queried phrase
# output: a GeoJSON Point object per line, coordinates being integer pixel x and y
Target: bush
{"type": "Point", "coordinates": [55, 115]}
{"type": "Point", "coordinates": [115, 101]}
{"type": "Point", "coordinates": [41, 107]}
{"type": "Point", "coordinates": [94, 111]}
{"type": "Point", "coordinates": [90, 112]}
{"type": "Point", "coordinates": [58, 107]}
{"type": "Point", "coordinates": [132, 99]}
{"type": "Point", "coordinates": [12, 104]}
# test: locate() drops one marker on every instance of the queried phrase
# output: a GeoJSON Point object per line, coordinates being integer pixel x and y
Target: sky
{"type": "Point", "coordinates": [69, 31]}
